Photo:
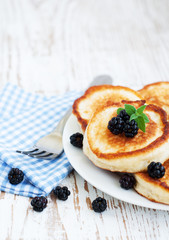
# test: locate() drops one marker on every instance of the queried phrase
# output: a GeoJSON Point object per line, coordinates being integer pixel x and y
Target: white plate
{"type": "Point", "coordinates": [106, 181]}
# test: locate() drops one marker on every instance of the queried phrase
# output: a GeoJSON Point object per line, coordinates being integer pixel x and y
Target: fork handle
{"type": "Point", "coordinates": [60, 126]}
{"type": "Point", "coordinates": [101, 79]}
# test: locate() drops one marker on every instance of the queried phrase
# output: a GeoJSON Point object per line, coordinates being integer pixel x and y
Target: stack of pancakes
{"type": "Point", "coordinates": [118, 153]}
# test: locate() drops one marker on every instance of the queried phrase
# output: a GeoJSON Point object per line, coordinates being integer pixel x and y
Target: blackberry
{"type": "Point", "coordinates": [61, 192]}
{"type": "Point", "coordinates": [39, 203]}
{"type": "Point", "coordinates": [127, 181]}
{"type": "Point", "coordinates": [15, 176]}
{"type": "Point", "coordinates": [77, 140]}
{"type": "Point", "coordinates": [116, 125]}
{"type": "Point", "coordinates": [99, 205]}
{"type": "Point", "coordinates": [131, 128]}
{"type": "Point", "coordinates": [123, 114]}
{"type": "Point", "coordinates": [156, 170]}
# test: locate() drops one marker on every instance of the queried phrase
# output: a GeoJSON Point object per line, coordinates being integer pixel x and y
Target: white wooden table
{"type": "Point", "coordinates": [53, 46]}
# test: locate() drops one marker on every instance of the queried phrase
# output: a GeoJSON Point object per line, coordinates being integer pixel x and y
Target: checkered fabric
{"type": "Point", "coordinates": [25, 118]}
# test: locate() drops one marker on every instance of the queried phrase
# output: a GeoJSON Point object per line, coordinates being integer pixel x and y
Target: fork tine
{"type": "Point", "coordinates": [41, 156]}
{"type": "Point", "coordinates": [27, 152]}
{"type": "Point", "coordinates": [47, 155]}
{"type": "Point", "coordinates": [55, 155]}
{"type": "Point", "coordinates": [51, 157]}
{"type": "Point", "coordinates": [36, 154]}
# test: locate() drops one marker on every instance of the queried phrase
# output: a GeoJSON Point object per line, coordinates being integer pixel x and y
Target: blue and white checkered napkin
{"type": "Point", "coordinates": [24, 118]}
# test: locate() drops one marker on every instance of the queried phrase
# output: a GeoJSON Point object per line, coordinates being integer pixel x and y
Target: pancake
{"type": "Point", "coordinates": [96, 97]}
{"type": "Point", "coordinates": [122, 154]}
{"type": "Point", "coordinates": [158, 94]}
{"type": "Point", "coordinates": [156, 190]}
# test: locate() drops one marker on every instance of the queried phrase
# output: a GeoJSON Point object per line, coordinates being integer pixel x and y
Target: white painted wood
{"type": "Point", "coordinates": [52, 46]}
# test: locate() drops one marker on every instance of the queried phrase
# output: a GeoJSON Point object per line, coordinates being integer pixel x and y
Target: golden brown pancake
{"type": "Point", "coordinates": [156, 190]}
{"type": "Point", "coordinates": [122, 154]}
{"type": "Point", "coordinates": [157, 93]}
{"type": "Point", "coordinates": [98, 96]}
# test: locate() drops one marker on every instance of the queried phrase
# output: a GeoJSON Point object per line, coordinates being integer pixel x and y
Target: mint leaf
{"type": "Point", "coordinates": [146, 120]}
{"type": "Point", "coordinates": [136, 115]}
{"type": "Point", "coordinates": [119, 110]}
{"type": "Point", "coordinates": [141, 109]}
{"type": "Point", "coordinates": [141, 123]}
{"type": "Point", "coordinates": [130, 109]}
{"type": "Point", "coordinates": [133, 116]}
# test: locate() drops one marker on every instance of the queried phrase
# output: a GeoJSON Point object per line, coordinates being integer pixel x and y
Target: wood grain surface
{"type": "Point", "coordinates": [53, 46]}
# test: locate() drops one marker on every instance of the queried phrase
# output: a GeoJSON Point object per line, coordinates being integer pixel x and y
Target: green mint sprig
{"type": "Point", "coordinates": [136, 114]}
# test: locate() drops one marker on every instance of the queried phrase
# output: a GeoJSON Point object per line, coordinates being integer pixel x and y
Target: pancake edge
{"type": "Point", "coordinates": [152, 84]}
{"type": "Point", "coordinates": [89, 92]}
{"type": "Point", "coordinates": [155, 191]}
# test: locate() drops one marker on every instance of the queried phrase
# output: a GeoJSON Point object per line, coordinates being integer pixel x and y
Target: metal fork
{"type": "Point", "coordinates": [49, 147]}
